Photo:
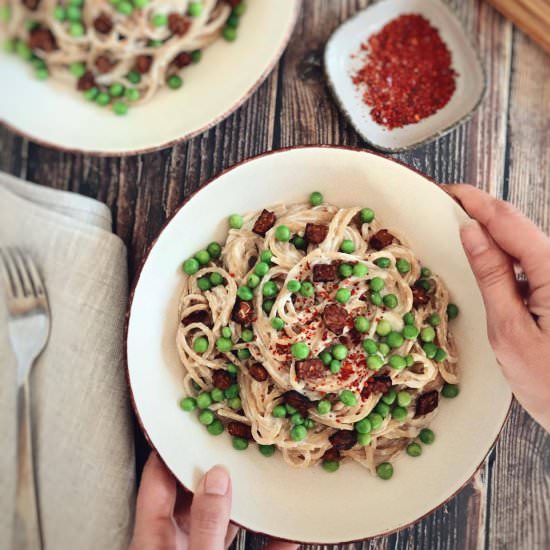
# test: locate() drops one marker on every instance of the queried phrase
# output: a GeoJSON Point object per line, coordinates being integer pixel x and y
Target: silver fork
{"type": "Point", "coordinates": [29, 327]}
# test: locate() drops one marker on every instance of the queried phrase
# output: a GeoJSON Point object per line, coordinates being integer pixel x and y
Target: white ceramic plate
{"type": "Point", "coordinates": [269, 496]}
{"type": "Point", "coordinates": [339, 65]}
{"type": "Point", "coordinates": [55, 115]}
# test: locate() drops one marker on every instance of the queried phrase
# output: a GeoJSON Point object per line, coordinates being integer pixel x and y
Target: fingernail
{"type": "Point", "coordinates": [473, 237]}
{"type": "Point", "coordinates": [216, 481]}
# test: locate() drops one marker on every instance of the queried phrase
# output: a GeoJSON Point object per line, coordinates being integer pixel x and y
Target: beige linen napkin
{"type": "Point", "coordinates": [83, 431]}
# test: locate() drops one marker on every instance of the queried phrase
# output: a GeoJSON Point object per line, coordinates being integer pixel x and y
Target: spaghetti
{"type": "Point", "coordinates": [315, 330]}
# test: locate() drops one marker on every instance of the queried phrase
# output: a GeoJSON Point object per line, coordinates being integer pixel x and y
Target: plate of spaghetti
{"type": "Point", "coordinates": [300, 322]}
{"type": "Point", "coordinates": [138, 75]}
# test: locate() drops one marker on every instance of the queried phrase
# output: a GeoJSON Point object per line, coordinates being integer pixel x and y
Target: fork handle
{"type": "Point", "coordinates": [26, 535]}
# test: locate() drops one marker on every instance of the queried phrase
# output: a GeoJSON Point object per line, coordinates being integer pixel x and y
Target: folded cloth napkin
{"type": "Point", "coordinates": [82, 422]}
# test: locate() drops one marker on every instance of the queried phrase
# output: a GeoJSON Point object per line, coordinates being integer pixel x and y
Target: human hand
{"type": "Point", "coordinates": [518, 327]}
{"type": "Point", "coordinates": [166, 520]}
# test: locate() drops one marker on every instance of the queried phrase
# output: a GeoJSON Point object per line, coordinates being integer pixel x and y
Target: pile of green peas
{"type": "Point", "coordinates": [300, 425]}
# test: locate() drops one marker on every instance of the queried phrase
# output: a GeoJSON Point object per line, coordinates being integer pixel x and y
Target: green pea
{"type": "Point", "coordinates": [247, 335]}
{"type": "Point", "coordinates": [440, 355]}
{"type": "Point", "coordinates": [394, 340]}
{"type": "Point", "coordinates": [375, 362]}
{"type": "Point", "coordinates": [243, 354]}
{"type": "Point", "coordinates": [229, 34]}
{"type": "Point", "coordinates": [232, 369]}
{"type": "Point", "coordinates": [91, 93]}
{"type": "Point", "coordinates": [214, 249]}
{"type": "Point", "coordinates": [316, 198]}
{"type": "Point", "coordinates": [408, 318]}
{"type": "Point", "coordinates": [267, 306]}
{"type": "Point", "coordinates": [188, 404]}
{"type": "Point", "coordinates": [155, 43]}
{"type": "Point", "coordinates": [370, 346]}
{"type": "Point", "coordinates": [376, 420]}
{"type": "Point", "coordinates": [363, 426]}
{"type": "Point", "coordinates": [200, 345]}
{"type": "Point", "coordinates": [216, 279]}
{"type": "Point", "coordinates": [124, 7]}
{"type": "Point", "coordinates": [174, 82]}
{"type": "Point", "coordinates": [382, 409]}
{"type": "Point", "coordinates": [366, 215]}
{"type": "Point", "coordinates": [204, 283]}
{"type": "Point", "coordinates": [361, 324]}
{"type": "Point", "coordinates": [290, 409]}
{"type": "Point", "coordinates": [253, 281]}
{"type": "Point", "coordinates": [204, 400]}
{"type": "Point", "coordinates": [426, 272]}
{"type": "Point", "coordinates": [384, 470]}
{"type": "Point", "coordinates": [235, 403]}
{"type": "Point", "coordinates": [239, 443]}
{"type": "Point", "coordinates": [235, 221]}
{"type": "Point", "coordinates": [409, 359]}
{"type": "Point", "coordinates": [389, 397]}
{"type": "Point", "coordinates": [331, 465]}
{"type": "Point", "coordinates": [206, 417]}
{"type": "Point", "coordinates": [309, 423]}
{"type": "Point", "coordinates": [132, 94]}
{"type": "Point", "coordinates": [299, 242]}
{"type": "Point", "coordinates": [383, 348]}
{"type": "Point", "coordinates": [299, 351]}
{"type": "Point", "coordinates": [376, 284]}
{"type": "Point", "coordinates": [360, 270]}
{"type": "Point", "coordinates": [120, 108]}
{"type": "Point", "coordinates": [427, 334]}
{"type": "Point", "coordinates": [426, 436]}
{"type": "Point", "coordinates": [424, 283]}
{"type": "Point", "coordinates": [270, 289]}
{"type": "Point", "coordinates": [403, 266]}
{"type": "Point", "coordinates": [134, 77]}
{"type": "Point", "coordinates": [404, 399]}
{"type": "Point", "coordinates": [347, 246]}
{"type": "Point", "coordinates": [77, 69]}
{"type": "Point", "coordinates": [325, 357]}
{"type": "Point", "coordinates": [224, 345]}
{"type": "Point", "coordinates": [195, 9]}
{"type": "Point", "coordinates": [159, 20]}
{"type": "Point", "coordinates": [390, 301]}
{"type": "Point", "coordinates": [266, 256]}
{"type": "Point", "coordinates": [410, 332]}
{"type": "Point", "coordinates": [384, 263]}
{"type": "Point", "coordinates": [226, 332]}
{"type": "Point", "coordinates": [196, 386]}
{"type": "Point", "coordinates": [217, 395]}
{"type": "Point", "coordinates": [23, 50]}
{"type": "Point", "coordinates": [282, 233]}
{"type": "Point", "coordinates": [202, 257]}
{"type": "Point", "coordinates": [452, 311]}
{"type": "Point", "coordinates": [42, 73]}
{"type": "Point", "coordinates": [383, 328]}
{"type": "Point", "coordinates": [261, 269]}
{"type": "Point", "coordinates": [399, 413]}
{"type": "Point", "coordinates": [450, 391]}
{"type": "Point", "coordinates": [296, 419]}
{"type": "Point", "coordinates": [74, 13]}
{"type": "Point", "coordinates": [279, 411]}
{"type": "Point", "coordinates": [324, 406]}
{"type": "Point", "coordinates": [348, 398]}
{"type": "Point", "coordinates": [244, 293]}
{"type": "Point", "coordinates": [10, 45]}
{"type": "Point", "coordinates": [397, 362]}
{"type": "Point", "coordinates": [216, 428]}
{"type": "Point", "coordinates": [434, 319]}
{"type": "Point", "coordinates": [116, 90]}
{"type": "Point", "coordinates": [5, 13]}
{"type": "Point", "coordinates": [293, 285]}
{"type": "Point", "coordinates": [277, 323]}
{"type": "Point", "coordinates": [414, 449]}
{"type": "Point", "coordinates": [298, 433]}
{"type": "Point", "coordinates": [339, 351]}
{"type": "Point", "coordinates": [430, 349]}
{"type": "Point", "coordinates": [267, 450]}
{"type": "Point", "coordinates": [343, 295]}
{"type": "Point", "coordinates": [335, 366]}
{"type": "Point", "coordinates": [376, 298]}
{"type": "Point", "coordinates": [307, 289]}
{"type": "Point", "coordinates": [103, 99]}
{"type": "Point", "coordinates": [345, 270]}
{"type": "Point", "coordinates": [364, 439]}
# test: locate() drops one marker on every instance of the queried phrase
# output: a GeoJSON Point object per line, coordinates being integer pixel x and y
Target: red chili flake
{"type": "Point", "coordinates": [408, 73]}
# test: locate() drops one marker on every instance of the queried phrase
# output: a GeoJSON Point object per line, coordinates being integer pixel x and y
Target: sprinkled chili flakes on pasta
{"type": "Point", "coordinates": [116, 52]}
{"type": "Point", "coordinates": [314, 330]}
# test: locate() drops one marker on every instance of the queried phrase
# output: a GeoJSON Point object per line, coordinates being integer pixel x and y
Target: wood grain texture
{"type": "Point", "coordinates": [504, 149]}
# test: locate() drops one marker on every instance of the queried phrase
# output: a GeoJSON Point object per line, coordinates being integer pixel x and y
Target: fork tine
{"type": "Point", "coordinates": [34, 274]}
{"type": "Point", "coordinates": [12, 278]}
{"type": "Point", "coordinates": [17, 257]}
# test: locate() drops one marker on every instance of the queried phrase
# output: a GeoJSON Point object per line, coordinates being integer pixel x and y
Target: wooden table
{"type": "Point", "coordinates": [504, 149]}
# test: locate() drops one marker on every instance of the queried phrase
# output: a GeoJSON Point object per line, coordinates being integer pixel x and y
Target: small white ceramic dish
{"type": "Point", "coordinates": [340, 65]}
{"type": "Point", "coordinates": [268, 495]}
{"type": "Point", "coordinates": [55, 115]}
